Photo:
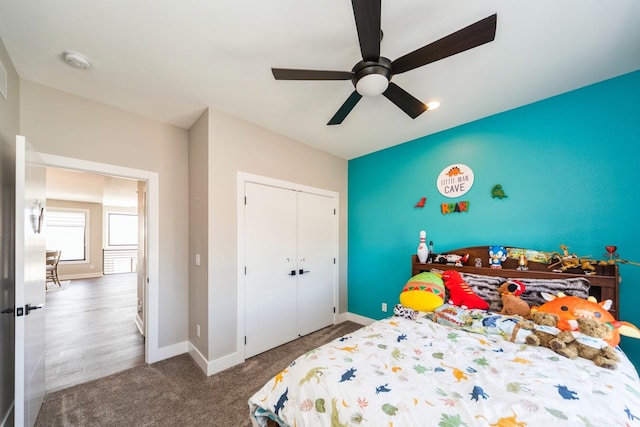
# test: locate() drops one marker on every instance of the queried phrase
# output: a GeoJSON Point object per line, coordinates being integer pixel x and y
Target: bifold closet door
{"type": "Point", "coordinates": [290, 265]}
{"type": "Point", "coordinates": [270, 258]}
{"type": "Point", "coordinates": [316, 261]}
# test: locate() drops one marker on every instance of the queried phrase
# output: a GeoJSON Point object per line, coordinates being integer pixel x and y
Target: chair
{"type": "Point", "coordinates": [53, 258]}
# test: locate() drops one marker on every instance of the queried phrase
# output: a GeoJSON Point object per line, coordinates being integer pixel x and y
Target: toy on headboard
{"type": "Point", "coordinates": [497, 254]}
{"type": "Point", "coordinates": [569, 308]}
{"type": "Point", "coordinates": [511, 301]}
{"type": "Point", "coordinates": [451, 259]}
{"type": "Point", "coordinates": [460, 293]}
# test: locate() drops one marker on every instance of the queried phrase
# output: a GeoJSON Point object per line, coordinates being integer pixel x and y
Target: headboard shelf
{"type": "Point", "coordinates": [604, 283]}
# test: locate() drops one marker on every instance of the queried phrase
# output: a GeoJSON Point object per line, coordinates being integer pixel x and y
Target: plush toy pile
{"type": "Point", "coordinates": [570, 326]}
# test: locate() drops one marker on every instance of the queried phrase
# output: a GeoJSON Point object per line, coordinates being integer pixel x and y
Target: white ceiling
{"type": "Point", "coordinates": [170, 60]}
{"type": "Point", "coordinates": [63, 184]}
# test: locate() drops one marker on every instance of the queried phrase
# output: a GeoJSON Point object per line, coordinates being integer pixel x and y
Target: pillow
{"type": "Point", "coordinates": [423, 292]}
{"type": "Point", "coordinates": [574, 286]}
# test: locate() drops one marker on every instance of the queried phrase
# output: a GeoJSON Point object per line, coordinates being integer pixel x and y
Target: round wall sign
{"type": "Point", "coordinates": [455, 180]}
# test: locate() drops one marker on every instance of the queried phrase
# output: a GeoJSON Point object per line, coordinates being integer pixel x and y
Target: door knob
{"type": "Point", "coordinates": [29, 308]}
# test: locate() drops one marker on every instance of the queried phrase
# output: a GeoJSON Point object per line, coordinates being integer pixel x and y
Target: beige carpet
{"type": "Point", "coordinates": [175, 392]}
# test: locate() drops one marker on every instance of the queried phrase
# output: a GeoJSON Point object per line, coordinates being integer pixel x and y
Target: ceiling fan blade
{"type": "Point", "coordinates": [407, 103]}
{"type": "Point", "coordinates": [467, 38]}
{"type": "Point", "coordinates": [367, 16]}
{"type": "Point", "coordinates": [292, 74]}
{"type": "Point", "coordinates": [345, 109]}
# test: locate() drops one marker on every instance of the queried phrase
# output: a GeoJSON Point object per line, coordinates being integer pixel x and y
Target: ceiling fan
{"type": "Point", "coordinates": [372, 76]}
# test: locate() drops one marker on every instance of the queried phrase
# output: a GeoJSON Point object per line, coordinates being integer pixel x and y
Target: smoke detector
{"type": "Point", "coordinates": [76, 59]}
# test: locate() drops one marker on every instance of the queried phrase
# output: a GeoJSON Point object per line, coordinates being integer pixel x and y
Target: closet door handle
{"type": "Point", "coordinates": [301, 271]}
{"type": "Point", "coordinates": [29, 308]}
{"type": "Point", "coordinates": [293, 273]}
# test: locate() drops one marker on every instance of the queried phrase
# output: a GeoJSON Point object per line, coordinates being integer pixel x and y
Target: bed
{"type": "Point", "coordinates": [430, 371]}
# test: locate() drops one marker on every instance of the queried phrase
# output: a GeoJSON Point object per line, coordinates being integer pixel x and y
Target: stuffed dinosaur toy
{"type": "Point", "coordinates": [569, 309]}
{"type": "Point", "coordinates": [460, 293]}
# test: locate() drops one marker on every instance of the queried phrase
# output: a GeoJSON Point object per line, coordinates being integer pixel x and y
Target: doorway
{"type": "Point", "coordinates": [92, 310]}
{"type": "Point", "coordinates": [149, 324]}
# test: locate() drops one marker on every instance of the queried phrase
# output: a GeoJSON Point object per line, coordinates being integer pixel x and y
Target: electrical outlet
{"type": "Point", "coordinates": [198, 331]}
{"type": "Point", "coordinates": [384, 307]}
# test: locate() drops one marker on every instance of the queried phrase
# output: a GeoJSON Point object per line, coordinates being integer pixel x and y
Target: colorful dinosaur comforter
{"type": "Point", "coordinates": [400, 372]}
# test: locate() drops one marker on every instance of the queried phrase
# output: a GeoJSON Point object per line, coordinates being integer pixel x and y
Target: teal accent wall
{"type": "Point", "coordinates": [570, 166]}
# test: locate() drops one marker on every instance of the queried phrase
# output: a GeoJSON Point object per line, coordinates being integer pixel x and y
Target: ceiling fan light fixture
{"type": "Point", "coordinates": [372, 85]}
{"type": "Point", "coordinates": [433, 105]}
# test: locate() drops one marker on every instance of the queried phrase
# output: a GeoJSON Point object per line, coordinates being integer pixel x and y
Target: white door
{"type": "Point", "coordinates": [270, 257]}
{"type": "Point", "coordinates": [290, 265]}
{"type": "Point", "coordinates": [30, 285]}
{"type": "Point", "coordinates": [316, 261]}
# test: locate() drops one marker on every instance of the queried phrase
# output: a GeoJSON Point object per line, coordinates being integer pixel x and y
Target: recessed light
{"type": "Point", "coordinates": [433, 105]}
{"type": "Point", "coordinates": [76, 59]}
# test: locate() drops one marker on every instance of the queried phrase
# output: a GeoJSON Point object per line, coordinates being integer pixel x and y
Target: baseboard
{"type": "Point", "coordinates": [81, 276]}
{"type": "Point", "coordinates": [361, 320]}
{"type": "Point", "coordinates": [172, 350]}
{"type": "Point", "coordinates": [217, 365]}
{"type": "Point", "coordinates": [233, 359]}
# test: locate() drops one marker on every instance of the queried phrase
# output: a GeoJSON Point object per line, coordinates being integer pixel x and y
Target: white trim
{"type": "Point", "coordinates": [217, 365]}
{"type": "Point", "coordinates": [152, 351]}
{"type": "Point", "coordinates": [173, 350]}
{"type": "Point", "coordinates": [242, 178]}
{"type": "Point", "coordinates": [80, 276]}
{"type": "Point", "coordinates": [361, 320]}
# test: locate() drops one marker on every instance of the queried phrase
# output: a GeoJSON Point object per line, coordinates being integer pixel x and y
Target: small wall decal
{"type": "Point", "coordinates": [421, 203]}
{"type": "Point", "coordinates": [455, 180]}
{"type": "Point", "coordinates": [498, 192]}
{"type": "Point", "coordinates": [447, 208]}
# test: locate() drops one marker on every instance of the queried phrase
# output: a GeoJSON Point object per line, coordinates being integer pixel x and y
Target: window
{"type": "Point", "coordinates": [122, 230]}
{"type": "Point", "coordinates": [67, 231]}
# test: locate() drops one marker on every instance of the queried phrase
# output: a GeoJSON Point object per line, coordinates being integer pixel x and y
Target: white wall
{"type": "Point", "coordinates": [62, 124]}
{"type": "Point", "coordinates": [236, 145]}
{"type": "Point", "coordinates": [199, 237]}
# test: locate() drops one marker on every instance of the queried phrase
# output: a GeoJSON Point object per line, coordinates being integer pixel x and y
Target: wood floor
{"type": "Point", "coordinates": [91, 330]}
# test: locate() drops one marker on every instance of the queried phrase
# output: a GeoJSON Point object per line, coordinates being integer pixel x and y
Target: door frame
{"type": "Point", "coordinates": [151, 350]}
{"type": "Point", "coordinates": [242, 178]}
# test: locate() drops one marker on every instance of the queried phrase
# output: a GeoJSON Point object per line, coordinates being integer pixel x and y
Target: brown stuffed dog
{"type": "Point", "coordinates": [511, 301]}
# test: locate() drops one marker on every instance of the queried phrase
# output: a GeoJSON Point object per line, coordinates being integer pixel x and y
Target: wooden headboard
{"type": "Point", "coordinates": [604, 283]}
